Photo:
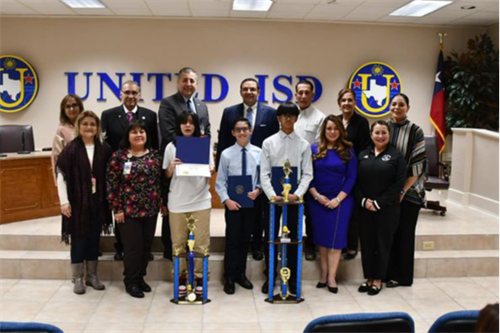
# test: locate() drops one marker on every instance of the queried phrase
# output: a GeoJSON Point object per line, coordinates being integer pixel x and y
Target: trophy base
{"type": "Point", "coordinates": [290, 299]}
{"type": "Point", "coordinates": [183, 300]}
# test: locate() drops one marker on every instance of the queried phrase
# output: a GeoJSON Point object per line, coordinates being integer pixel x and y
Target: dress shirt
{"type": "Point", "coordinates": [254, 114]}
{"type": "Point", "coordinates": [281, 147]}
{"type": "Point", "coordinates": [308, 124]}
{"type": "Point", "coordinates": [230, 165]}
{"type": "Point", "coordinates": [134, 111]}
{"type": "Point", "coordinates": [193, 104]}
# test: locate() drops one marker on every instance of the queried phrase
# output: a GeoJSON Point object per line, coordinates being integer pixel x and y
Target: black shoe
{"type": "Point", "coordinates": [151, 257]}
{"type": "Point", "coordinates": [392, 284]}
{"type": "Point", "coordinates": [244, 282]}
{"type": "Point", "coordinates": [310, 254]}
{"type": "Point", "coordinates": [374, 290]}
{"type": "Point", "coordinates": [321, 285]}
{"type": "Point", "coordinates": [257, 255]}
{"type": "Point", "coordinates": [167, 255]}
{"type": "Point", "coordinates": [229, 286]}
{"type": "Point", "coordinates": [99, 254]}
{"type": "Point", "coordinates": [364, 288]}
{"type": "Point", "coordinates": [333, 289]}
{"type": "Point", "coordinates": [292, 288]}
{"type": "Point", "coordinates": [349, 256]}
{"type": "Point", "coordinates": [118, 256]}
{"type": "Point", "coordinates": [144, 286]}
{"type": "Point", "coordinates": [265, 287]}
{"type": "Point", "coordinates": [135, 291]}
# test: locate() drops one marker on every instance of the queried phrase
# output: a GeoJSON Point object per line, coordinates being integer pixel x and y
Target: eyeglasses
{"type": "Point", "coordinates": [71, 106]}
{"type": "Point", "coordinates": [130, 92]}
{"type": "Point", "coordinates": [289, 116]}
{"type": "Point", "coordinates": [241, 129]}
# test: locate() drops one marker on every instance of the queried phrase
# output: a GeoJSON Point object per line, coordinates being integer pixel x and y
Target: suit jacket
{"type": "Point", "coordinates": [114, 124]}
{"type": "Point", "coordinates": [173, 106]}
{"type": "Point", "coordinates": [358, 132]}
{"type": "Point", "coordinates": [266, 124]}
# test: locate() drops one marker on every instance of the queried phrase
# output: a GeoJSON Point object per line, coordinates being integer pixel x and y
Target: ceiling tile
{"type": "Point", "coordinates": [162, 11]}
{"type": "Point", "coordinates": [124, 4]}
{"type": "Point", "coordinates": [287, 2]}
{"type": "Point", "coordinates": [12, 7]}
{"type": "Point", "coordinates": [329, 12]}
{"type": "Point", "coordinates": [93, 11]}
{"type": "Point", "coordinates": [247, 14]}
{"type": "Point", "coordinates": [210, 5]}
{"type": "Point", "coordinates": [367, 13]}
{"type": "Point", "coordinates": [132, 11]}
{"type": "Point", "coordinates": [203, 12]}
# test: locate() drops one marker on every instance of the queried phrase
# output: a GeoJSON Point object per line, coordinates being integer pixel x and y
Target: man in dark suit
{"type": "Point", "coordinates": [170, 108]}
{"type": "Point", "coordinates": [115, 122]}
{"type": "Point", "coordinates": [183, 100]}
{"type": "Point", "coordinates": [264, 122]}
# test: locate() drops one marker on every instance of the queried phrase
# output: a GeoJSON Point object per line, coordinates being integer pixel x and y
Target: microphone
{"type": "Point", "coordinates": [23, 143]}
{"type": "Point", "coordinates": [1, 147]}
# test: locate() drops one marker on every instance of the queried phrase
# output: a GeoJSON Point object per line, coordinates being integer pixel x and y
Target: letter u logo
{"type": "Point", "coordinates": [21, 95]}
{"type": "Point", "coordinates": [364, 87]}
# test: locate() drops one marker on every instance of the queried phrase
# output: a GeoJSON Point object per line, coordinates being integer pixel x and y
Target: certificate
{"type": "Point", "coordinates": [195, 156]}
{"type": "Point", "coordinates": [238, 188]}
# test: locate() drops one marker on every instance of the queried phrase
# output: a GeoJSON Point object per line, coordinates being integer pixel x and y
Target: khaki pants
{"type": "Point", "coordinates": [180, 234]}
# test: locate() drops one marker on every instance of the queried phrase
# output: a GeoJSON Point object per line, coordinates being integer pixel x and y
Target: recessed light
{"type": "Point", "coordinates": [252, 5]}
{"type": "Point", "coordinates": [419, 8]}
{"type": "Point", "coordinates": [84, 4]}
{"type": "Point", "coordinates": [468, 7]}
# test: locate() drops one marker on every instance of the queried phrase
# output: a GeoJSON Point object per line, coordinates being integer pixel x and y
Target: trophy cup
{"type": "Point", "coordinates": [284, 295]}
{"type": "Point", "coordinates": [191, 297]}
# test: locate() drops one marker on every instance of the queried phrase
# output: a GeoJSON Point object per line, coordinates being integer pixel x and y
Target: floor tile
{"type": "Point", "coordinates": [163, 312]}
{"type": "Point", "coordinates": [74, 311]}
{"type": "Point", "coordinates": [283, 312]}
{"type": "Point", "coordinates": [322, 308]}
{"type": "Point", "coordinates": [30, 292]}
{"type": "Point", "coordinates": [193, 327]}
{"type": "Point", "coordinates": [123, 313]}
{"type": "Point", "coordinates": [115, 327]}
{"type": "Point", "coordinates": [284, 327]}
{"type": "Point", "coordinates": [13, 310]}
{"type": "Point", "coordinates": [219, 312]}
{"type": "Point", "coordinates": [463, 289]}
{"type": "Point", "coordinates": [70, 327]}
{"type": "Point", "coordinates": [431, 309]}
{"type": "Point", "coordinates": [250, 327]}
{"type": "Point", "coordinates": [475, 303]}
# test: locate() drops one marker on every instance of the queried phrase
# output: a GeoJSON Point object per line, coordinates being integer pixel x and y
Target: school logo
{"type": "Point", "coordinates": [240, 189]}
{"type": "Point", "coordinates": [18, 84]}
{"type": "Point", "coordinates": [386, 158]}
{"type": "Point", "coordinates": [375, 83]}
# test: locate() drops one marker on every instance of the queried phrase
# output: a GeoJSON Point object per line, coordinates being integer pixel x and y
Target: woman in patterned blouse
{"type": "Point", "coordinates": [409, 139]}
{"type": "Point", "coordinates": [134, 193]}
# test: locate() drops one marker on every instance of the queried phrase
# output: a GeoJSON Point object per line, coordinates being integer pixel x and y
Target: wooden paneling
{"type": "Point", "coordinates": [215, 198]}
{"type": "Point", "coordinates": [27, 189]}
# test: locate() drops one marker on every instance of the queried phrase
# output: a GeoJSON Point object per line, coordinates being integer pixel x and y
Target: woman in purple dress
{"type": "Point", "coordinates": [335, 170]}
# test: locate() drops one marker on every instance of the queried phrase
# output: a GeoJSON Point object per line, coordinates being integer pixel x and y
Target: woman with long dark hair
{"type": "Point", "coordinates": [335, 169]}
{"type": "Point", "coordinates": [81, 185]}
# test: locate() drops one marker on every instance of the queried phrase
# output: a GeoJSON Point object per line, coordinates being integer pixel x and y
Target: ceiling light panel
{"type": "Point", "coordinates": [252, 5]}
{"type": "Point", "coordinates": [84, 4]}
{"type": "Point", "coordinates": [419, 8]}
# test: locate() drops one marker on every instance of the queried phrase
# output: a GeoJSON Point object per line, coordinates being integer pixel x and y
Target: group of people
{"type": "Point", "coordinates": [357, 181]}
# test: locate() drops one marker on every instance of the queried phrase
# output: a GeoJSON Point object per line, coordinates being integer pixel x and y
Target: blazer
{"type": "Point", "coordinates": [358, 132]}
{"type": "Point", "coordinates": [173, 106]}
{"type": "Point", "coordinates": [114, 124]}
{"type": "Point", "coordinates": [266, 124]}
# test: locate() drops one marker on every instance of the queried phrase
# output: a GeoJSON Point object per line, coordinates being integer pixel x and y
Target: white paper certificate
{"type": "Point", "coordinates": [187, 170]}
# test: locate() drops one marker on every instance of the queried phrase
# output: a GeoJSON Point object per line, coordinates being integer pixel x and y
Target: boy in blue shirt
{"type": "Point", "coordinates": [241, 159]}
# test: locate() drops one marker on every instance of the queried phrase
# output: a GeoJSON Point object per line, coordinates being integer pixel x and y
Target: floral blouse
{"type": "Point", "coordinates": [134, 188]}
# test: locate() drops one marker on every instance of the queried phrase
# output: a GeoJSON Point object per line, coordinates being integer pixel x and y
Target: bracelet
{"type": "Point", "coordinates": [316, 197]}
{"type": "Point", "coordinates": [338, 200]}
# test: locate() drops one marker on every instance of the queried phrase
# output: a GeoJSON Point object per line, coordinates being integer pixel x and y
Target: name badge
{"type": "Point", "coordinates": [127, 168]}
{"type": "Point", "coordinates": [94, 185]}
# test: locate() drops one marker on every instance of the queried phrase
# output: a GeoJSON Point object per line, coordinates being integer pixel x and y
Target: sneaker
{"type": "Point", "coordinates": [199, 287]}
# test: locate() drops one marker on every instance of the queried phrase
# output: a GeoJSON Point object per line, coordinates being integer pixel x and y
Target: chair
{"type": "Point", "coordinates": [8, 326]}
{"type": "Point", "coordinates": [363, 322]}
{"type": "Point", "coordinates": [438, 173]}
{"type": "Point", "coordinates": [456, 321]}
{"type": "Point", "coordinates": [12, 138]}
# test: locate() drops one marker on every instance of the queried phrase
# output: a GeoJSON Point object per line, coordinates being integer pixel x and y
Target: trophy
{"type": "Point", "coordinates": [191, 297]}
{"type": "Point", "coordinates": [284, 295]}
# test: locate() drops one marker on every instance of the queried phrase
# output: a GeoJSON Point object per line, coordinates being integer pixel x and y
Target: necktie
{"type": "Point", "coordinates": [243, 162]}
{"type": "Point", "coordinates": [190, 106]}
{"type": "Point", "coordinates": [250, 116]}
{"type": "Point", "coordinates": [130, 116]}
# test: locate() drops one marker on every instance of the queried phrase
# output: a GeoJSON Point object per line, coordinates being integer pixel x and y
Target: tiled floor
{"type": "Point", "coordinates": [112, 310]}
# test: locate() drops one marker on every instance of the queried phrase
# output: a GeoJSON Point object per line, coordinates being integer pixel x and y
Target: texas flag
{"type": "Point", "coordinates": [437, 108]}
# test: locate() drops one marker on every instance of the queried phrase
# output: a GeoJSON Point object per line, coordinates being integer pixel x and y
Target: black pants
{"type": "Point", "coordinates": [353, 232]}
{"type": "Point", "coordinates": [402, 259]}
{"type": "Point", "coordinates": [85, 248]}
{"type": "Point", "coordinates": [238, 229]}
{"type": "Point", "coordinates": [293, 215]}
{"type": "Point", "coordinates": [166, 237]}
{"type": "Point", "coordinates": [309, 242]}
{"type": "Point", "coordinates": [137, 235]}
{"type": "Point", "coordinates": [118, 239]}
{"type": "Point", "coordinates": [259, 222]}
{"type": "Point", "coordinates": [376, 232]}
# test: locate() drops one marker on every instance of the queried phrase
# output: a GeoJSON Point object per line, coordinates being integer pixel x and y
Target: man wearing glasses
{"type": "Point", "coordinates": [263, 120]}
{"type": "Point", "coordinates": [115, 122]}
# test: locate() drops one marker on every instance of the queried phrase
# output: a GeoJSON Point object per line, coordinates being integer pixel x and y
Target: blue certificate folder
{"type": "Point", "coordinates": [238, 188]}
{"type": "Point", "coordinates": [193, 150]}
{"type": "Point", "coordinates": [278, 178]}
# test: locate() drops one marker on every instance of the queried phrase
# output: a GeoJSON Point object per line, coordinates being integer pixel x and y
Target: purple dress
{"type": "Point", "coordinates": [331, 176]}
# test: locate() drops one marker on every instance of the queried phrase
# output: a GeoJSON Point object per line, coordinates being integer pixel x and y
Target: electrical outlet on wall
{"type": "Point", "coordinates": [428, 245]}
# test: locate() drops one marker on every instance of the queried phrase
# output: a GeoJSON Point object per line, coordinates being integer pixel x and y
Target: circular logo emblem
{"type": "Point", "coordinates": [375, 83]}
{"type": "Point", "coordinates": [18, 84]}
{"type": "Point", "coordinates": [240, 189]}
{"type": "Point", "coordinates": [386, 158]}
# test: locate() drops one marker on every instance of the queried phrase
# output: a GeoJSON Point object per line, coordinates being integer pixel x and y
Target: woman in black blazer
{"type": "Point", "coordinates": [381, 177]}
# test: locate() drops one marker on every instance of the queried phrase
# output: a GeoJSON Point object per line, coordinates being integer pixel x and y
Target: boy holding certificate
{"type": "Point", "coordinates": [284, 146]}
{"type": "Point", "coordinates": [237, 186]}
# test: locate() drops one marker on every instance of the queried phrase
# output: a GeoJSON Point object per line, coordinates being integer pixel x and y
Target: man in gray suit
{"type": "Point", "coordinates": [170, 108]}
{"type": "Point", "coordinates": [183, 100]}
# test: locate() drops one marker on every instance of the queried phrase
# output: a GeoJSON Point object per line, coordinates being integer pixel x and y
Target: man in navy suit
{"type": "Point", "coordinates": [115, 122]}
{"type": "Point", "coordinates": [264, 122]}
